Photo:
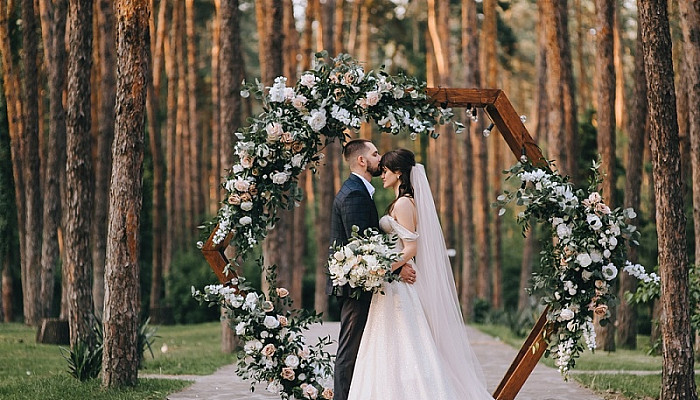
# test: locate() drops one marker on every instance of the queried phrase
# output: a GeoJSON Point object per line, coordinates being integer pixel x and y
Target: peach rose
{"type": "Point", "coordinates": [287, 373]}
{"type": "Point", "coordinates": [282, 292]}
{"type": "Point", "coordinates": [601, 310]}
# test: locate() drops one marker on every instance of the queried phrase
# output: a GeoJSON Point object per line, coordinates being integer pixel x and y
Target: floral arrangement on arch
{"type": "Point", "coordinates": [277, 145]}
{"type": "Point", "coordinates": [578, 265]}
{"type": "Point", "coordinates": [274, 351]}
{"type": "Point", "coordinates": [286, 138]}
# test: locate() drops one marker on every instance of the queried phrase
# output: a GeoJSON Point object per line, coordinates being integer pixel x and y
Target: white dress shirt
{"type": "Point", "coordinates": [368, 185]}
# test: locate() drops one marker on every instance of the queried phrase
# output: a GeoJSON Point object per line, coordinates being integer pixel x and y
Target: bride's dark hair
{"type": "Point", "coordinates": [400, 161]}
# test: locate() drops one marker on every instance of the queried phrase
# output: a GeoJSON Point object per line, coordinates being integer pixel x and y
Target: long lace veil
{"type": "Point", "coordinates": [436, 289]}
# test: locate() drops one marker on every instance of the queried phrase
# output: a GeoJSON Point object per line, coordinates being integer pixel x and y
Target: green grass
{"type": "Point", "coordinates": [191, 350]}
{"type": "Point", "coordinates": [632, 387]}
{"type": "Point", "coordinates": [31, 371]}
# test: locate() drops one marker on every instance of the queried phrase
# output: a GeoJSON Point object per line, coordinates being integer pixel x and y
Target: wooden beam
{"type": "Point", "coordinates": [214, 254]}
{"type": "Point", "coordinates": [526, 360]}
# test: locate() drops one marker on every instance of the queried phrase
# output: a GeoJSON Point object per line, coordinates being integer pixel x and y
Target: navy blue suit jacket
{"type": "Point", "coordinates": [352, 206]}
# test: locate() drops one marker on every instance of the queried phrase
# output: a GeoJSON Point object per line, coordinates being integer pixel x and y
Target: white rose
{"type": "Point", "coordinates": [240, 328]}
{"type": "Point", "coordinates": [291, 361]}
{"type": "Point", "coordinates": [594, 197]}
{"type": "Point", "coordinates": [308, 80]}
{"type": "Point", "coordinates": [338, 255]}
{"type": "Point", "coordinates": [583, 259]}
{"type": "Point", "coordinates": [245, 220]}
{"type": "Point", "coordinates": [596, 256]}
{"type": "Point", "coordinates": [563, 231]}
{"type": "Point", "coordinates": [299, 101]}
{"type": "Point", "coordinates": [317, 120]}
{"type": "Point", "coordinates": [274, 387]}
{"type": "Point", "coordinates": [271, 322]}
{"type": "Point", "coordinates": [310, 392]}
{"type": "Point", "coordinates": [613, 242]}
{"type": "Point", "coordinates": [247, 205]}
{"type": "Point", "coordinates": [274, 131]}
{"type": "Point", "coordinates": [297, 159]}
{"type": "Point", "coordinates": [566, 314]}
{"type": "Point", "coordinates": [241, 185]}
{"type": "Point", "coordinates": [373, 97]}
{"type": "Point", "coordinates": [279, 178]}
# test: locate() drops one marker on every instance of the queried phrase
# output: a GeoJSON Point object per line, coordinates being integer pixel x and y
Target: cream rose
{"type": "Point", "coordinates": [282, 292]}
{"type": "Point", "coordinates": [287, 373]}
{"type": "Point", "coordinates": [268, 350]}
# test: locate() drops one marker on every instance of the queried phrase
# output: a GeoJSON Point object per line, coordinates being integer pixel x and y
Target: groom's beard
{"type": "Point", "coordinates": [374, 171]}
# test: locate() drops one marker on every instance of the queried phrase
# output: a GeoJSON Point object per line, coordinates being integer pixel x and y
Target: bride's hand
{"type": "Point", "coordinates": [408, 274]}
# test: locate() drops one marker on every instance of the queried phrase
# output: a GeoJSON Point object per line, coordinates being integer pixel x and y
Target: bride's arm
{"type": "Point", "coordinates": [404, 213]}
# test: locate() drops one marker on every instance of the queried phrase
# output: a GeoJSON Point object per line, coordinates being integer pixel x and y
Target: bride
{"type": "Point", "coordinates": [415, 344]}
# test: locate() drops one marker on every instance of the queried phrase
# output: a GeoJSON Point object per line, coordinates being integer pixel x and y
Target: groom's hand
{"type": "Point", "coordinates": [408, 274]}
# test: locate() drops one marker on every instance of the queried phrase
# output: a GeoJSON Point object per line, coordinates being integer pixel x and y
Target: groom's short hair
{"type": "Point", "coordinates": [354, 148]}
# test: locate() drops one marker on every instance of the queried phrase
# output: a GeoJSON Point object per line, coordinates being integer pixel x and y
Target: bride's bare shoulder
{"type": "Point", "coordinates": [405, 212]}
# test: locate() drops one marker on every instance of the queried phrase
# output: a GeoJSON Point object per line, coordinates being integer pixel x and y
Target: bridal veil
{"type": "Point", "coordinates": [436, 290]}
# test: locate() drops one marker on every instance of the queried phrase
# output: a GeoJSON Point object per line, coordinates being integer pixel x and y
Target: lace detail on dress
{"type": "Point", "coordinates": [389, 225]}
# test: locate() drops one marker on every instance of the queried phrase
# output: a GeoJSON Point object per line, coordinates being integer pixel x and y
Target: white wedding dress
{"type": "Point", "coordinates": [399, 357]}
{"type": "Point", "coordinates": [415, 344]}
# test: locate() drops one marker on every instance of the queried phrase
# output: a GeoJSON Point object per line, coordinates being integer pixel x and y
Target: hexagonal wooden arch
{"type": "Point", "coordinates": [508, 123]}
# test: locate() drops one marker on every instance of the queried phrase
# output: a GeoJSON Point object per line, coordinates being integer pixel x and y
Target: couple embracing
{"type": "Point", "coordinates": [410, 342]}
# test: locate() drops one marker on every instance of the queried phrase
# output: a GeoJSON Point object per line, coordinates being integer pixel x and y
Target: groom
{"type": "Point", "coordinates": [353, 205]}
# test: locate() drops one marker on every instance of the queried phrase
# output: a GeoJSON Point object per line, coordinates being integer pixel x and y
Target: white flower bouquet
{"type": "Point", "coordinates": [583, 250]}
{"type": "Point", "coordinates": [273, 349]}
{"type": "Point", "coordinates": [364, 263]}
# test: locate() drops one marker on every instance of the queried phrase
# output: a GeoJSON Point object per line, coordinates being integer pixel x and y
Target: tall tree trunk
{"type": "Point", "coordinates": [496, 154]}
{"type": "Point", "coordinates": [276, 247]}
{"type": "Point", "coordinates": [13, 98]}
{"type": "Point", "coordinates": [569, 110]}
{"type": "Point", "coordinates": [32, 179]}
{"type": "Point", "coordinates": [470, 60]}
{"type": "Point", "coordinates": [690, 24]}
{"type": "Point", "coordinates": [195, 136]}
{"type": "Point", "coordinates": [307, 46]}
{"type": "Point", "coordinates": [678, 373]}
{"type": "Point", "coordinates": [215, 192]}
{"type": "Point", "coordinates": [298, 234]}
{"type": "Point", "coordinates": [78, 198]}
{"type": "Point", "coordinates": [171, 200]}
{"type": "Point", "coordinates": [583, 84]}
{"type": "Point", "coordinates": [618, 56]}
{"type": "Point", "coordinates": [156, 147]}
{"type": "Point", "coordinates": [103, 164]}
{"type": "Point", "coordinates": [605, 78]}
{"type": "Point", "coordinates": [636, 127]}
{"type": "Point", "coordinates": [230, 70]}
{"type": "Point", "coordinates": [550, 10]}
{"type": "Point", "coordinates": [338, 27]}
{"type": "Point", "coordinates": [55, 50]}
{"type": "Point", "coordinates": [120, 360]}
{"type": "Point", "coordinates": [184, 196]}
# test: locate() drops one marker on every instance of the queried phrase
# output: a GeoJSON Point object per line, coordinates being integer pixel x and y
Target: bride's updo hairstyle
{"type": "Point", "coordinates": [400, 161]}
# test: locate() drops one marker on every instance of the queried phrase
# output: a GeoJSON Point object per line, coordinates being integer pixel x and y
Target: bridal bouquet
{"type": "Point", "coordinates": [364, 263]}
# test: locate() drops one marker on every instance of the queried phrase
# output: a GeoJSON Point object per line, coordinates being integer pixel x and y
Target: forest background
{"type": "Point", "coordinates": [572, 68]}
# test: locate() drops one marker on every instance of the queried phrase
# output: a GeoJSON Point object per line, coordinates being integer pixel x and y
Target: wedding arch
{"type": "Point", "coordinates": [500, 110]}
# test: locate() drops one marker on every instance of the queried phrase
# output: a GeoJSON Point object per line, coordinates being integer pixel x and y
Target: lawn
{"type": "Point", "coordinates": [611, 386]}
{"type": "Point", "coordinates": [30, 371]}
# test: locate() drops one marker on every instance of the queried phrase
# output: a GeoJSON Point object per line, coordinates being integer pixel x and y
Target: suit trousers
{"type": "Point", "coordinates": [353, 317]}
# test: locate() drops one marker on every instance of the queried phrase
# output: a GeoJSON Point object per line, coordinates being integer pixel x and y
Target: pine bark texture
{"type": "Point", "coordinates": [55, 50]}
{"type": "Point", "coordinates": [78, 197]}
{"type": "Point", "coordinates": [122, 295]}
{"type": "Point", "coordinates": [569, 108]}
{"type": "Point", "coordinates": [103, 161]}
{"type": "Point", "coordinates": [636, 127]}
{"type": "Point", "coordinates": [170, 123]}
{"type": "Point", "coordinates": [555, 124]}
{"type": "Point", "coordinates": [605, 78]}
{"type": "Point", "coordinates": [677, 371]}
{"type": "Point", "coordinates": [32, 181]}
{"type": "Point", "coordinates": [195, 136]}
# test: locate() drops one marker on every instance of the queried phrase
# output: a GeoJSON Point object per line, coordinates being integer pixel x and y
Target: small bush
{"type": "Point", "coordinates": [84, 360]}
{"type": "Point", "coordinates": [189, 269]}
